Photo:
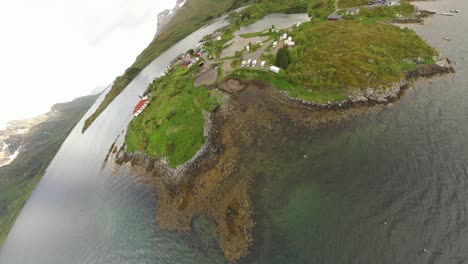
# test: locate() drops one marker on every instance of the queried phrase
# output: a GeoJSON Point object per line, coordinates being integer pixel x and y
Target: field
{"type": "Point", "coordinates": [384, 13]}
{"type": "Point", "coordinates": [295, 90]}
{"type": "Point", "coordinates": [39, 148]}
{"type": "Point", "coordinates": [332, 59]}
{"type": "Point", "coordinates": [171, 127]}
{"type": "Point", "coordinates": [351, 3]}
{"type": "Point", "coordinates": [353, 55]}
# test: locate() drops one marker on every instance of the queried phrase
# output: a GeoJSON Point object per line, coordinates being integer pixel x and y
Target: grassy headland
{"type": "Point", "coordinates": [354, 55]}
{"type": "Point", "coordinates": [384, 13]}
{"type": "Point", "coordinates": [172, 125]}
{"type": "Point", "coordinates": [38, 149]}
{"type": "Point", "coordinates": [331, 59]}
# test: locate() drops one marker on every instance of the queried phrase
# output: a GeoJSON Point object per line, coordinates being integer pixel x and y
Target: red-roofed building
{"type": "Point", "coordinates": [140, 106]}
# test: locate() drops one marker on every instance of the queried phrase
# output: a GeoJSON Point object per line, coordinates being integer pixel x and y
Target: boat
{"type": "Point", "coordinates": [448, 39]}
{"type": "Point", "coordinates": [455, 11]}
{"type": "Point", "coordinates": [447, 14]}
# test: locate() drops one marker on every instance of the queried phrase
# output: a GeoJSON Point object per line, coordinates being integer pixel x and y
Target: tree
{"type": "Point", "coordinates": [283, 58]}
{"type": "Point", "coordinates": [191, 52]}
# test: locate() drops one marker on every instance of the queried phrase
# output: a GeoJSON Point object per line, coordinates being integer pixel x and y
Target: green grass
{"type": "Point", "coordinates": [332, 59]}
{"type": "Point", "coordinates": [278, 81]}
{"type": "Point", "coordinates": [192, 16]}
{"type": "Point", "coordinates": [259, 9]}
{"type": "Point", "coordinates": [353, 55]}
{"type": "Point", "coordinates": [25, 172]}
{"type": "Point", "coordinates": [351, 3]}
{"type": "Point", "coordinates": [319, 10]}
{"type": "Point", "coordinates": [384, 13]}
{"type": "Point", "coordinates": [172, 125]}
{"type": "Point", "coordinates": [258, 34]}
{"type": "Point", "coordinates": [214, 47]}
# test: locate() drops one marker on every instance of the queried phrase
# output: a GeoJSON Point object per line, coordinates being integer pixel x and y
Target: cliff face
{"type": "Point", "coordinates": [165, 16]}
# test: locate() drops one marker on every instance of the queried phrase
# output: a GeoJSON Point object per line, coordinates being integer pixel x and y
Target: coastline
{"type": "Point", "coordinates": [211, 183]}
{"type": "Point", "coordinates": [250, 107]}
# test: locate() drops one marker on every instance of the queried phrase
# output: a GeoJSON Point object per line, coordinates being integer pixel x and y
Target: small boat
{"type": "Point", "coordinates": [447, 14]}
{"type": "Point", "coordinates": [455, 11]}
{"type": "Point", "coordinates": [448, 39]}
{"type": "Point", "coordinates": [432, 12]}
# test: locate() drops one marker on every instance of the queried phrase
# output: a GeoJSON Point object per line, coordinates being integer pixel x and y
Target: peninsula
{"type": "Point", "coordinates": [207, 109]}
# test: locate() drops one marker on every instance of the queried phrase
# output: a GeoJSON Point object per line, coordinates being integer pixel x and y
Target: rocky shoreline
{"type": "Point", "coordinates": [382, 95]}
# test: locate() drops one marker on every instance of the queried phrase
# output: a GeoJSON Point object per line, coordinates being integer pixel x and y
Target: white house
{"type": "Point", "coordinates": [352, 11]}
{"type": "Point", "coordinates": [274, 69]}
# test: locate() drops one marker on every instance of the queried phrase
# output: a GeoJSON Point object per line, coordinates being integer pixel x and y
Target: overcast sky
{"type": "Point", "coordinates": [55, 50]}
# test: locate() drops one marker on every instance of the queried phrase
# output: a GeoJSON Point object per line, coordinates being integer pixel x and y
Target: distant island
{"type": "Point", "coordinates": [35, 142]}
{"type": "Point", "coordinates": [214, 98]}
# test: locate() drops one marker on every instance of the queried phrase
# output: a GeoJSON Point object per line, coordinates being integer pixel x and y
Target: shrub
{"type": "Point", "coordinates": [283, 58]}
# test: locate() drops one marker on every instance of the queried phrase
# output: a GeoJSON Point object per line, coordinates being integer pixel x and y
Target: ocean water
{"type": "Point", "coordinates": [389, 186]}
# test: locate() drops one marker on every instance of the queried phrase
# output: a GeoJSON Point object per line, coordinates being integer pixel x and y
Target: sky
{"type": "Point", "coordinates": [56, 50]}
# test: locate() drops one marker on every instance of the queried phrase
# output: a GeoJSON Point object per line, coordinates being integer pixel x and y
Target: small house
{"type": "Point", "coordinates": [291, 44]}
{"type": "Point", "coordinates": [352, 11]}
{"type": "Point", "coordinates": [334, 17]}
{"type": "Point", "coordinates": [275, 69]}
{"type": "Point", "coordinates": [140, 106]}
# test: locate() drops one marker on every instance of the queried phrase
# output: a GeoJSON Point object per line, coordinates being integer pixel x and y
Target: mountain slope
{"type": "Point", "coordinates": [38, 147]}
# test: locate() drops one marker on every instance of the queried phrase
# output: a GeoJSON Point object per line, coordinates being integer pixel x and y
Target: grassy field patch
{"type": "Point", "coordinates": [172, 125]}
{"type": "Point", "coordinates": [351, 3]}
{"type": "Point", "coordinates": [354, 55]}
